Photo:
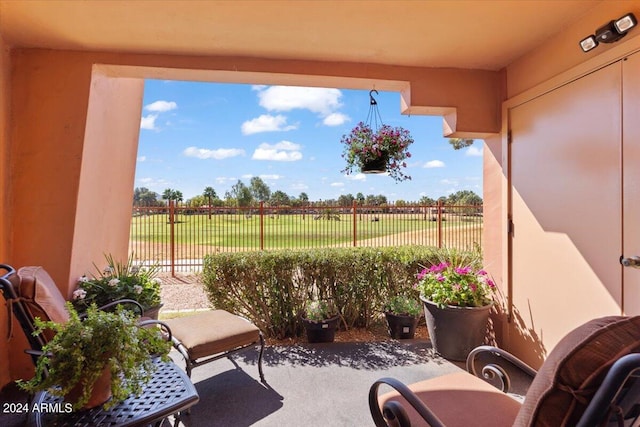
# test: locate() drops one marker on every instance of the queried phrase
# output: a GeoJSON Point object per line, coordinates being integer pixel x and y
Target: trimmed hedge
{"type": "Point", "coordinates": [270, 287]}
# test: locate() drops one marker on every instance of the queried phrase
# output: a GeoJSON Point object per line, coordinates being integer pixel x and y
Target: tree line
{"type": "Point", "coordinates": [258, 191]}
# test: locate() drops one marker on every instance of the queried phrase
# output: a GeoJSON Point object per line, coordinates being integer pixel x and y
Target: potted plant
{"type": "Point", "coordinates": [383, 150]}
{"type": "Point", "coordinates": [320, 321]}
{"type": "Point", "coordinates": [120, 280]}
{"type": "Point", "coordinates": [457, 298]}
{"type": "Point", "coordinates": [402, 313]}
{"type": "Point", "coordinates": [96, 357]}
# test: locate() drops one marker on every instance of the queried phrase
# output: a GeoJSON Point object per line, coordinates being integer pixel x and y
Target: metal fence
{"type": "Point", "coordinates": [178, 237]}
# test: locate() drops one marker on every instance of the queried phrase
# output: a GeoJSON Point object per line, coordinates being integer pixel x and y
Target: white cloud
{"type": "Point", "coordinates": [247, 176]}
{"type": "Point", "coordinates": [449, 182]}
{"type": "Point", "coordinates": [148, 122]}
{"type": "Point", "coordinates": [225, 179]}
{"type": "Point", "coordinates": [141, 159]}
{"type": "Point", "coordinates": [161, 106]}
{"type": "Point", "coordinates": [153, 183]}
{"type": "Point", "coordinates": [270, 177]}
{"type": "Point", "coordinates": [473, 151]}
{"type": "Point", "coordinates": [266, 123]}
{"type": "Point", "coordinates": [283, 151]}
{"type": "Point", "coordinates": [335, 119]}
{"type": "Point", "coordinates": [337, 184]}
{"type": "Point", "coordinates": [299, 186]}
{"type": "Point", "coordinates": [218, 154]}
{"type": "Point", "coordinates": [357, 177]}
{"type": "Point", "coordinates": [322, 101]}
{"type": "Point", "coordinates": [434, 164]}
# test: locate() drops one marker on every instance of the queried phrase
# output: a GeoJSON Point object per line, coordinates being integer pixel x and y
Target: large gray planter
{"type": "Point", "coordinates": [455, 331]}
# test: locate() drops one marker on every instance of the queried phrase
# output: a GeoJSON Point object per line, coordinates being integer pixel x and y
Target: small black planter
{"type": "Point", "coordinates": [378, 165]}
{"type": "Point", "coordinates": [400, 326]}
{"type": "Point", "coordinates": [323, 331]}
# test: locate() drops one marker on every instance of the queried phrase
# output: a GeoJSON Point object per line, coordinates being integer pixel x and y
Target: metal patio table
{"type": "Point", "coordinates": [169, 392]}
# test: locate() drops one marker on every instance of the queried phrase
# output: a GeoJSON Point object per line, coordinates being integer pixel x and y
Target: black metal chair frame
{"type": "Point", "coordinates": [618, 396]}
{"type": "Point", "coordinates": [38, 341]}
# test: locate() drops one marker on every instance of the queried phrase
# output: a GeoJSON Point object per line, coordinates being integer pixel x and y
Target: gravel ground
{"type": "Point", "coordinates": [183, 292]}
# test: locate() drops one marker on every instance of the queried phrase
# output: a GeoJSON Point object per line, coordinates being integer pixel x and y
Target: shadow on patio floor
{"type": "Point", "coordinates": [307, 384]}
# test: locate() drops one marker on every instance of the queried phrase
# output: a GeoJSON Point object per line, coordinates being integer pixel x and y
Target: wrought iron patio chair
{"type": "Point", "coordinates": [589, 379]}
{"type": "Point", "coordinates": [31, 293]}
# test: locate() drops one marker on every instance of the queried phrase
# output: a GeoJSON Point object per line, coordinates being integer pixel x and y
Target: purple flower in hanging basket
{"type": "Point", "coordinates": [363, 145]}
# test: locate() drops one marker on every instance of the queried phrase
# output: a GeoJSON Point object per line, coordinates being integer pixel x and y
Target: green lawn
{"type": "Point", "coordinates": [295, 230]}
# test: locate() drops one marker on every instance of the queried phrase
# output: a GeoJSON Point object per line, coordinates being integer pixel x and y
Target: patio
{"type": "Point", "coordinates": [308, 384]}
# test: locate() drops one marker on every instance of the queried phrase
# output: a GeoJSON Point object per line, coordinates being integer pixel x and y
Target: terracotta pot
{"type": "Point", "coordinates": [100, 394]}
{"type": "Point", "coordinates": [401, 326]}
{"type": "Point", "coordinates": [152, 312]}
{"type": "Point", "coordinates": [455, 331]}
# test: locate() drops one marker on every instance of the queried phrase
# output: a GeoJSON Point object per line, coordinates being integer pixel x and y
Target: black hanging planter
{"type": "Point", "coordinates": [400, 326]}
{"type": "Point", "coordinates": [322, 331]}
{"type": "Point", "coordinates": [377, 165]}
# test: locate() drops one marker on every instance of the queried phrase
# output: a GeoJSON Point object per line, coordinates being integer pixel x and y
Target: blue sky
{"type": "Point", "coordinates": [194, 135]}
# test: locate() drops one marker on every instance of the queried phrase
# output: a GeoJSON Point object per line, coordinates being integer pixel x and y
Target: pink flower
{"type": "Point", "coordinates": [462, 270]}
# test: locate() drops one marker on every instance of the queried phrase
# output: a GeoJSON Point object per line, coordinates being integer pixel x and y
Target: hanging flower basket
{"type": "Point", "coordinates": [383, 150]}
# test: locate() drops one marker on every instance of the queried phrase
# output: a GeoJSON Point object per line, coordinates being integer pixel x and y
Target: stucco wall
{"type": "Point", "coordinates": [107, 172]}
{"type": "Point", "coordinates": [4, 189]}
{"type": "Point", "coordinates": [561, 52]}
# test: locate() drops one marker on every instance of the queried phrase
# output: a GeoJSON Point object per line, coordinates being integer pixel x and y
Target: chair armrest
{"type": "Point", "coordinates": [393, 411]}
{"type": "Point", "coordinates": [166, 330]}
{"type": "Point", "coordinates": [136, 305]}
{"type": "Point", "coordinates": [497, 369]}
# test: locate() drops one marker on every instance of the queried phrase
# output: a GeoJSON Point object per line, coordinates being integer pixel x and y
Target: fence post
{"type": "Point", "coordinates": [172, 238]}
{"type": "Point", "coordinates": [261, 225]}
{"type": "Point", "coordinates": [439, 223]}
{"type": "Point", "coordinates": [355, 224]}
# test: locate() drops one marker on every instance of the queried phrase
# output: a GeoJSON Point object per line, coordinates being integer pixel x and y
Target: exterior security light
{"type": "Point", "coordinates": [588, 43]}
{"type": "Point", "coordinates": [609, 33]}
{"type": "Point", "coordinates": [625, 23]}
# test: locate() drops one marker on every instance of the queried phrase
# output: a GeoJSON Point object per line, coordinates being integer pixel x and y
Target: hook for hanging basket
{"type": "Point", "coordinates": [374, 115]}
{"type": "Point", "coordinates": [372, 99]}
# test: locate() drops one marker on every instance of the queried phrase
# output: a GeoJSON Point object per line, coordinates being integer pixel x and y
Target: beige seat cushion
{"type": "Point", "coordinates": [213, 332]}
{"type": "Point", "coordinates": [41, 295]}
{"type": "Point", "coordinates": [460, 399]}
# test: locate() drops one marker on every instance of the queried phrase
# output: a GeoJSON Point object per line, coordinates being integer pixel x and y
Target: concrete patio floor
{"type": "Point", "coordinates": [307, 384]}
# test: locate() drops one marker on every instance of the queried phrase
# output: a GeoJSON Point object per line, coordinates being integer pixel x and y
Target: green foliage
{"type": "Point", "coordinates": [460, 143]}
{"type": "Point", "coordinates": [119, 280]}
{"type": "Point", "coordinates": [317, 311]}
{"type": "Point", "coordinates": [171, 194]}
{"type": "Point", "coordinates": [271, 288]}
{"type": "Point", "coordinates": [404, 305]}
{"type": "Point", "coordinates": [83, 347]}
